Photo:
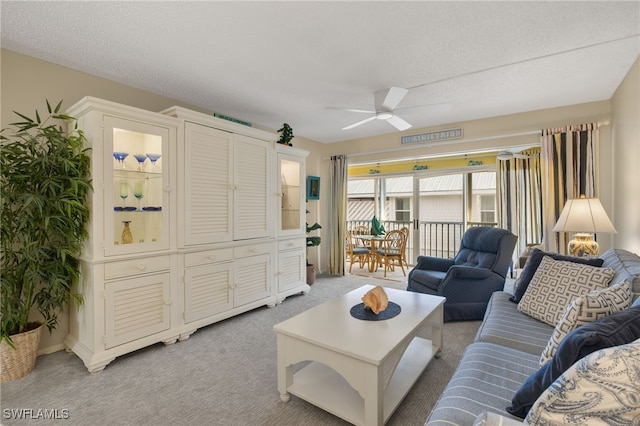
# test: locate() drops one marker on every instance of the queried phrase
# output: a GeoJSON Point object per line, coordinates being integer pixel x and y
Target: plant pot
{"type": "Point", "coordinates": [18, 362]}
{"type": "Point", "coordinates": [311, 274]}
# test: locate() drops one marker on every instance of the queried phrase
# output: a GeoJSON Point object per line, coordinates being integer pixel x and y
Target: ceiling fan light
{"type": "Point", "coordinates": [384, 115]}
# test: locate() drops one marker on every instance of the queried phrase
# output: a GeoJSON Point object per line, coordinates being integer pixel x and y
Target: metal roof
{"type": "Point", "coordinates": [436, 184]}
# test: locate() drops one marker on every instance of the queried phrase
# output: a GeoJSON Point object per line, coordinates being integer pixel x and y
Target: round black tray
{"type": "Point", "coordinates": [360, 312]}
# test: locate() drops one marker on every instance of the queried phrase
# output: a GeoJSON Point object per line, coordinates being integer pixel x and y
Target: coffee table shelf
{"type": "Point", "coordinates": [325, 388]}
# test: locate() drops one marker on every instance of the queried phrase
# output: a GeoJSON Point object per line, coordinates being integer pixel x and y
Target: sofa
{"type": "Point", "coordinates": [521, 368]}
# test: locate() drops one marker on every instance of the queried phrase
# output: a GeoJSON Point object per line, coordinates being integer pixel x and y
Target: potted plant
{"type": "Point", "coordinates": [44, 184]}
{"type": "Point", "coordinates": [286, 134]}
{"type": "Point", "coordinates": [312, 241]}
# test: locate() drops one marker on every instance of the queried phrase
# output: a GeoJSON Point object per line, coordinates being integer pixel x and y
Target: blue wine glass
{"type": "Point", "coordinates": [120, 156]}
{"type": "Point", "coordinates": [153, 158]}
{"type": "Point", "coordinates": [141, 159]}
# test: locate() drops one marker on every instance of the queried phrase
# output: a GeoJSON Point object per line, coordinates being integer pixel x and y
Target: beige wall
{"type": "Point", "coordinates": [619, 151]}
{"type": "Point", "coordinates": [625, 161]}
{"type": "Point", "coordinates": [26, 82]}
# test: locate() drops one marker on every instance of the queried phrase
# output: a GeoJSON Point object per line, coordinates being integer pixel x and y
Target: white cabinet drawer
{"type": "Point", "coordinates": [208, 256]}
{"type": "Point", "coordinates": [252, 250]}
{"type": "Point", "coordinates": [127, 268]}
{"type": "Point", "coordinates": [292, 244]}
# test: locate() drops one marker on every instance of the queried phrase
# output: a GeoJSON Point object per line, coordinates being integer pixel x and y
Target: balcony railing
{"type": "Point", "coordinates": [438, 239]}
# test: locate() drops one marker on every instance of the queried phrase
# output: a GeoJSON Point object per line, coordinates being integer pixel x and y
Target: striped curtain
{"type": "Point", "coordinates": [337, 214]}
{"type": "Point", "coordinates": [520, 198]}
{"type": "Point", "coordinates": [569, 167]}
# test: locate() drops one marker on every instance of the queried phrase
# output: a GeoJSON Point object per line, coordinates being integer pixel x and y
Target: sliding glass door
{"type": "Point", "coordinates": [437, 207]}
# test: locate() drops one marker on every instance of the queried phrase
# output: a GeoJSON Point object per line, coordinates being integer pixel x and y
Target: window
{"type": "Point", "coordinates": [403, 209]}
{"type": "Point", "coordinates": [488, 208]}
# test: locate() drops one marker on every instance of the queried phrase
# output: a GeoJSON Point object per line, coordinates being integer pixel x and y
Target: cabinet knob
{"type": "Point", "coordinates": [167, 189]}
{"type": "Point", "coordinates": [291, 244]}
{"type": "Point", "coordinates": [212, 257]}
{"type": "Point", "coordinates": [167, 301]}
{"type": "Point", "coordinates": [142, 266]}
{"type": "Point", "coordinates": [253, 250]}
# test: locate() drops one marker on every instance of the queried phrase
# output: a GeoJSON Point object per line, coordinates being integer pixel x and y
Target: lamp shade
{"type": "Point", "coordinates": [584, 215]}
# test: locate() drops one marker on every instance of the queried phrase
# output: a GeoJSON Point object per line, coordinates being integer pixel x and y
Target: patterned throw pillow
{"type": "Point", "coordinates": [533, 263]}
{"type": "Point", "coordinates": [602, 388]}
{"type": "Point", "coordinates": [557, 283]}
{"type": "Point", "coordinates": [585, 309]}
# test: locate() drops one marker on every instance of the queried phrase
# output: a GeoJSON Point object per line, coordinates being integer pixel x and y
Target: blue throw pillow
{"type": "Point", "coordinates": [617, 329]}
{"type": "Point", "coordinates": [532, 264]}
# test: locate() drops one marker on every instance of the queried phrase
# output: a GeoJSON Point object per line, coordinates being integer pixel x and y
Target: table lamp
{"type": "Point", "coordinates": [585, 216]}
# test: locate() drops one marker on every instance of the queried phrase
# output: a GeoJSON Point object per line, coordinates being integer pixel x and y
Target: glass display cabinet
{"type": "Point", "coordinates": [291, 186]}
{"type": "Point", "coordinates": [136, 187]}
{"type": "Point", "coordinates": [291, 172]}
{"type": "Point", "coordinates": [128, 269]}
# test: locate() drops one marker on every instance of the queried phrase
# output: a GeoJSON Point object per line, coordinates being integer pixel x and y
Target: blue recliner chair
{"type": "Point", "coordinates": [469, 279]}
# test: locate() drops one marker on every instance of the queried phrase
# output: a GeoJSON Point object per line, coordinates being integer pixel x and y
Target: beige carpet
{"type": "Point", "coordinates": [225, 374]}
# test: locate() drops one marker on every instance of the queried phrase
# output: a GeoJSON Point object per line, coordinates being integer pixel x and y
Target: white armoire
{"type": "Point", "coordinates": [189, 226]}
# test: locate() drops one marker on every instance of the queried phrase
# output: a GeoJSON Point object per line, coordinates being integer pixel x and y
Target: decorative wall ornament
{"type": "Point", "coordinates": [440, 135]}
{"type": "Point", "coordinates": [313, 188]}
{"type": "Point", "coordinates": [234, 120]}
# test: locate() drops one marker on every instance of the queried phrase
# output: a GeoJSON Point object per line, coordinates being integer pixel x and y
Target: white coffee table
{"type": "Point", "coordinates": [361, 370]}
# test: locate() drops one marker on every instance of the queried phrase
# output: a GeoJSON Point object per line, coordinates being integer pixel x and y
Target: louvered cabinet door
{"type": "Point", "coordinates": [253, 273]}
{"type": "Point", "coordinates": [207, 291]}
{"type": "Point", "coordinates": [253, 188]}
{"type": "Point", "coordinates": [208, 185]}
{"type": "Point", "coordinates": [136, 308]}
{"type": "Point", "coordinates": [291, 265]}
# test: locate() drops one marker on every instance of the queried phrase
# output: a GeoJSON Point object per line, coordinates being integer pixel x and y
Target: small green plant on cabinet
{"type": "Point", "coordinates": [286, 134]}
{"type": "Point", "coordinates": [44, 184]}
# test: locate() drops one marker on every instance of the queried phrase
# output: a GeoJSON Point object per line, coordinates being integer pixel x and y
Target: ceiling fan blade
{"type": "Point", "coordinates": [520, 156]}
{"type": "Point", "coordinates": [399, 123]}
{"type": "Point", "coordinates": [368, 111]}
{"type": "Point", "coordinates": [388, 100]}
{"type": "Point", "coordinates": [429, 107]}
{"type": "Point", "coordinates": [366, 120]}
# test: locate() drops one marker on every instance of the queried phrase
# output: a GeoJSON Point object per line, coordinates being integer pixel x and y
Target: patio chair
{"type": "Point", "coordinates": [391, 250]}
{"type": "Point", "coordinates": [360, 254]}
{"type": "Point", "coordinates": [405, 231]}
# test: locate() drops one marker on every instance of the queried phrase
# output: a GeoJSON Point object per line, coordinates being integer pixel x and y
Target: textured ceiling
{"type": "Point", "coordinates": [274, 62]}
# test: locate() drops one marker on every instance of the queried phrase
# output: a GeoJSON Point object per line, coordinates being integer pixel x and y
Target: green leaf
{"type": "Point", "coordinates": [24, 117]}
{"type": "Point", "coordinates": [45, 180]}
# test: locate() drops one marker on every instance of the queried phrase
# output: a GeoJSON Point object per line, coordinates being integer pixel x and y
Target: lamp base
{"type": "Point", "coordinates": [583, 245]}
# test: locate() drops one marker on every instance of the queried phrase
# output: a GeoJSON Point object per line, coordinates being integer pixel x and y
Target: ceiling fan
{"type": "Point", "coordinates": [509, 155]}
{"type": "Point", "coordinates": [386, 102]}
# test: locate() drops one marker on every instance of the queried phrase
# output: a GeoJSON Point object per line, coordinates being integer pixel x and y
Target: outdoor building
{"type": "Point", "coordinates": [441, 212]}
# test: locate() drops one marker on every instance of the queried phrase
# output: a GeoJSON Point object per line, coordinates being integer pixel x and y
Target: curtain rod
{"type": "Point", "coordinates": [454, 142]}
